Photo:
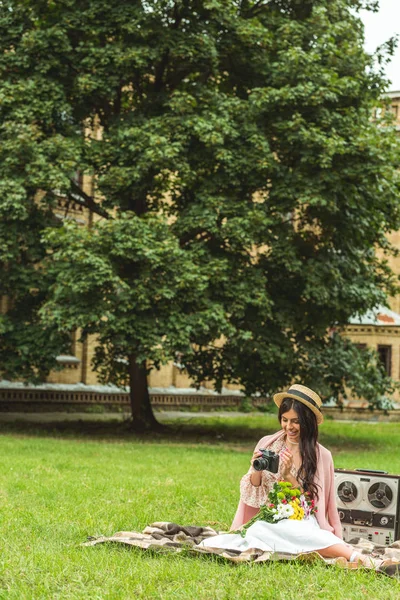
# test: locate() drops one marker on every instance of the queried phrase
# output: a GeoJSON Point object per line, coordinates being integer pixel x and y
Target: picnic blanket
{"type": "Point", "coordinates": [171, 537]}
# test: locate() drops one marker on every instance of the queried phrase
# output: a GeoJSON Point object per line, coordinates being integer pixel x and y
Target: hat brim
{"type": "Point", "coordinates": [278, 398]}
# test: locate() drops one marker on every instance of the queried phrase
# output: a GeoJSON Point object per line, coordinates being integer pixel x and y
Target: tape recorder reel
{"type": "Point", "coordinates": [368, 505]}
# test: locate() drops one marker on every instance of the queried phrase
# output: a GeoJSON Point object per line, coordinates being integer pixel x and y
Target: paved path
{"type": "Point", "coordinates": [64, 417]}
{"type": "Point", "coordinates": [56, 417]}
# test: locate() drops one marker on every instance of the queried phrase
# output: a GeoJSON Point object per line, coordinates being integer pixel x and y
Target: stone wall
{"type": "Point", "coordinates": [43, 400]}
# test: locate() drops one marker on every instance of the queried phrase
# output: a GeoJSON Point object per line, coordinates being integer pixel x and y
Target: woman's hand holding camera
{"type": "Point", "coordinates": [255, 477]}
{"type": "Point", "coordinates": [256, 454]}
{"type": "Point", "coordinates": [286, 462]}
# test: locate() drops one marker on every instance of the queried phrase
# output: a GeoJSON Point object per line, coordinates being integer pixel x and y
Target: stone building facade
{"type": "Point", "coordinates": [380, 329]}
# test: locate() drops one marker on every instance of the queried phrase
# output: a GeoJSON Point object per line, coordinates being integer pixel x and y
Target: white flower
{"type": "Point", "coordinates": [284, 511]}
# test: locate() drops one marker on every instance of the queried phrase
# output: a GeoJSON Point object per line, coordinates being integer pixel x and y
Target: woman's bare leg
{"type": "Point", "coordinates": [337, 550]}
{"type": "Point", "coordinates": [348, 552]}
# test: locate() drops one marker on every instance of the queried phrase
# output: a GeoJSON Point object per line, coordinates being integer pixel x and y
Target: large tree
{"type": "Point", "coordinates": [242, 192]}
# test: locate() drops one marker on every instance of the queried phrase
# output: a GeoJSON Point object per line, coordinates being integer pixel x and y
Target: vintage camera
{"type": "Point", "coordinates": [269, 461]}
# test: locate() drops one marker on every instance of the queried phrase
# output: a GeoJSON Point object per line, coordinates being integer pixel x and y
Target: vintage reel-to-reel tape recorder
{"type": "Point", "coordinates": [369, 505]}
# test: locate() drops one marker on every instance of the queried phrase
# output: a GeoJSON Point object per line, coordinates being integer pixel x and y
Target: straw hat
{"type": "Point", "coordinates": [306, 396]}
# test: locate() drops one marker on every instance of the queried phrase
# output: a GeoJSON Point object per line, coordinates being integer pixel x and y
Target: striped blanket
{"type": "Point", "coordinates": [171, 537]}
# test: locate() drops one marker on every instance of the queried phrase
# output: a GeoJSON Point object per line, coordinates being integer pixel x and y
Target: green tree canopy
{"type": "Point", "coordinates": [242, 192]}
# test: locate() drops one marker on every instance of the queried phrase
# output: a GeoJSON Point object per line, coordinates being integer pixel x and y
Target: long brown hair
{"type": "Point", "coordinates": [308, 443]}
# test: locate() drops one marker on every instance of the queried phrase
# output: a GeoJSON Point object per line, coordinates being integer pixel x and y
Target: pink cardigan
{"type": "Point", "coordinates": [327, 515]}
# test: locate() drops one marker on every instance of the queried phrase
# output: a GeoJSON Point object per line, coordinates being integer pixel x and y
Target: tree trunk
{"type": "Point", "coordinates": [142, 413]}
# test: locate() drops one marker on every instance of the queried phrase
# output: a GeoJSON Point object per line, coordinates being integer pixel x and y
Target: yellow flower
{"type": "Point", "coordinates": [298, 511]}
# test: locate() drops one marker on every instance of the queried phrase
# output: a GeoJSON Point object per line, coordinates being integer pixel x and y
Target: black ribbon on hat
{"type": "Point", "coordinates": [304, 397]}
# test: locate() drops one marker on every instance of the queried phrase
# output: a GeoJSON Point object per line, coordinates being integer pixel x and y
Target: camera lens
{"type": "Point", "coordinates": [260, 464]}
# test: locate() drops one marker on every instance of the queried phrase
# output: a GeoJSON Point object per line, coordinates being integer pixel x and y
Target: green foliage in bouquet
{"type": "Point", "coordinates": [284, 502]}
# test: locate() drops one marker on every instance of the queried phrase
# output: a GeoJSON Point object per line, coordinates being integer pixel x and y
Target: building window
{"type": "Point", "coordinates": [395, 109]}
{"type": "Point", "coordinates": [362, 346]}
{"type": "Point", "coordinates": [385, 355]}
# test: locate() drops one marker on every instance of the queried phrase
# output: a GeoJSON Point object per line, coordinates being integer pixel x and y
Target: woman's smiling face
{"type": "Point", "coordinates": [290, 424]}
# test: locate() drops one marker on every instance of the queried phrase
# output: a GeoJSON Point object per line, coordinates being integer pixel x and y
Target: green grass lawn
{"type": "Point", "coordinates": [61, 483]}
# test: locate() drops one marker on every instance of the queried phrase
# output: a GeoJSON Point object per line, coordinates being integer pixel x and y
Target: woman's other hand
{"type": "Point", "coordinates": [286, 463]}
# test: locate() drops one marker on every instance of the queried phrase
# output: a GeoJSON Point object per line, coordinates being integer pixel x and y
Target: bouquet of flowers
{"type": "Point", "coordinates": [284, 502]}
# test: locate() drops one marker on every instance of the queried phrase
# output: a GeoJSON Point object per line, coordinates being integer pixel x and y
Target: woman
{"type": "Point", "coordinates": [305, 464]}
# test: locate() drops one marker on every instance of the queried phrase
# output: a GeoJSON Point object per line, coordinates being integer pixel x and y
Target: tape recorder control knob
{"type": "Point", "coordinates": [384, 521]}
{"type": "Point", "coordinates": [341, 515]}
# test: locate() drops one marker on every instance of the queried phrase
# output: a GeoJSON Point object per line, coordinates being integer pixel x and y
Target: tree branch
{"type": "Point", "coordinates": [165, 59]}
{"type": "Point", "coordinates": [76, 194]}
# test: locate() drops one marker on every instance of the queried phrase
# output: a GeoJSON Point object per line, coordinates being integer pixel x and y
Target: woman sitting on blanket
{"type": "Point", "coordinates": [305, 464]}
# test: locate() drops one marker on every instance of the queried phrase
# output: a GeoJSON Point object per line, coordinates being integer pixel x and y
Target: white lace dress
{"type": "Point", "coordinates": [286, 536]}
